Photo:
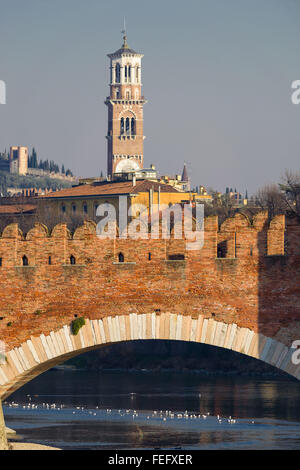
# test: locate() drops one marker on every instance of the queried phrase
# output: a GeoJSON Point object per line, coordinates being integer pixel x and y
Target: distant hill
{"type": "Point", "coordinates": [8, 180]}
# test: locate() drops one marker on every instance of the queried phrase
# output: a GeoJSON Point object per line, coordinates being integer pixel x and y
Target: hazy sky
{"type": "Point", "coordinates": [217, 75]}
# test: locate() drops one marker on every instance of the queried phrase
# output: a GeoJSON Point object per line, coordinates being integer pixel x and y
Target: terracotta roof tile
{"type": "Point", "coordinates": [16, 209]}
{"type": "Point", "coordinates": [145, 185]}
{"type": "Point", "coordinates": [114, 188]}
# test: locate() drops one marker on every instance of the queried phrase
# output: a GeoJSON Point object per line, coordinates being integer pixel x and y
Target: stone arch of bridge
{"type": "Point", "coordinates": [38, 354]}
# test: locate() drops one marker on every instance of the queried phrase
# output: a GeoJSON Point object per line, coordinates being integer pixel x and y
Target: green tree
{"type": "Point", "coordinates": [33, 159]}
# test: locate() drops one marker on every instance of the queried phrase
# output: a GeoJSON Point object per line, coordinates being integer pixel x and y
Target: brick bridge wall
{"type": "Point", "coordinates": [255, 286]}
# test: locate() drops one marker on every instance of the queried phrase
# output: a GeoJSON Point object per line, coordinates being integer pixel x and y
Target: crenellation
{"type": "Point", "coordinates": [248, 287]}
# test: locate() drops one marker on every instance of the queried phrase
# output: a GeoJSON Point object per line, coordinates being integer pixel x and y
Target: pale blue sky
{"type": "Point", "coordinates": [217, 75]}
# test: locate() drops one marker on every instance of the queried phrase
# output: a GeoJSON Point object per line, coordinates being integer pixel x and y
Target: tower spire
{"type": "Point", "coordinates": [184, 176]}
{"type": "Point", "coordinates": [124, 32]}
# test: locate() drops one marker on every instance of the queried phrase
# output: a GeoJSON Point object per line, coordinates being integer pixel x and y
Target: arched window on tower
{"type": "Point", "coordinates": [129, 73]}
{"type": "Point", "coordinates": [121, 258]}
{"type": "Point", "coordinates": [118, 73]}
{"type": "Point", "coordinates": [122, 126]}
{"type": "Point", "coordinates": [126, 72]}
{"type": "Point", "coordinates": [132, 126]}
{"type": "Point", "coordinates": [25, 261]}
{"type": "Point", "coordinates": [127, 126]}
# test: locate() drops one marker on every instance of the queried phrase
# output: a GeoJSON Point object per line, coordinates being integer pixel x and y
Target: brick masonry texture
{"type": "Point", "coordinates": [241, 301]}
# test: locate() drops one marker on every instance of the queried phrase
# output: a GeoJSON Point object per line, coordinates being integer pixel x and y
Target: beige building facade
{"type": "Point", "coordinates": [18, 160]}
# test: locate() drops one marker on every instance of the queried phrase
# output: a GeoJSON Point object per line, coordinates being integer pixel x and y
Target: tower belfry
{"type": "Point", "coordinates": [125, 139]}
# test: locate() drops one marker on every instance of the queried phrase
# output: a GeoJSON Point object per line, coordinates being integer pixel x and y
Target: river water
{"type": "Point", "coordinates": [147, 410]}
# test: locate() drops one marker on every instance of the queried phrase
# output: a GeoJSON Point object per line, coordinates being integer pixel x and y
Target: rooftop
{"type": "Point", "coordinates": [17, 209]}
{"type": "Point", "coordinates": [124, 50]}
{"type": "Point", "coordinates": [110, 189]}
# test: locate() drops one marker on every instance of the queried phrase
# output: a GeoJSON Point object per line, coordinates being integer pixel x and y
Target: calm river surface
{"type": "Point", "coordinates": [122, 410]}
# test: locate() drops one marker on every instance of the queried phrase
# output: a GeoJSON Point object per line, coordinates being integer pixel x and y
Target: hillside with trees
{"type": "Point", "coordinates": [39, 181]}
{"type": "Point", "coordinates": [8, 180]}
{"type": "Point", "coordinates": [46, 165]}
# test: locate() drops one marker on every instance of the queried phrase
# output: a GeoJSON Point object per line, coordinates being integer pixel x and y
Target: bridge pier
{"type": "Point", "coordinates": [3, 438]}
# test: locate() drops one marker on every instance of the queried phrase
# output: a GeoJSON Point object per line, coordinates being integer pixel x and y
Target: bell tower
{"type": "Point", "coordinates": [125, 139]}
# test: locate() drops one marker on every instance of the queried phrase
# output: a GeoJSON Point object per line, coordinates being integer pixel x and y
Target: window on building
{"type": "Point", "coordinates": [176, 257]}
{"type": "Point", "coordinates": [25, 261]}
{"type": "Point", "coordinates": [122, 126]}
{"type": "Point", "coordinates": [72, 260]}
{"type": "Point", "coordinates": [0, 262]}
{"type": "Point", "coordinates": [127, 126]}
{"type": "Point", "coordinates": [73, 208]}
{"type": "Point", "coordinates": [121, 258]}
{"type": "Point", "coordinates": [132, 126]}
{"type": "Point", "coordinates": [149, 256]}
{"type": "Point", "coordinates": [85, 208]}
{"type": "Point", "coordinates": [129, 73]}
{"type": "Point", "coordinates": [118, 73]}
{"type": "Point", "coordinates": [63, 209]}
{"type": "Point", "coordinates": [49, 260]}
{"type": "Point", "coordinates": [222, 249]}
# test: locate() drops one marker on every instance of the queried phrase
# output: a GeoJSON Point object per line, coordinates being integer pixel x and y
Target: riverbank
{"type": "Point", "coordinates": [29, 446]}
{"type": "Point", "coordinates": [16, 445]}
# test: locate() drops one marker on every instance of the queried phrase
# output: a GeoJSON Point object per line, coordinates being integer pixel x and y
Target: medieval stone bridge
{"type": "Point", "coordinates": [241, 291]}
